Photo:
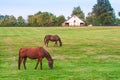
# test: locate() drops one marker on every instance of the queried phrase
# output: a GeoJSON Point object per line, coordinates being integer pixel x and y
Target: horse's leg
{"type": "Point", "coordinates": [47, 43]}
{"type": "Point", "coordinates": [44, 41]}
{"type": "Point", "coordinates": [19, 62]}
{"type": "Point", "coordinates": [55, 43]}
{"type": "Point", "coordinates": [24, 62]}
{"type": "Point", "coordinates": [37, 64]}
{"type": "Point", "coordinates": [40, 60]}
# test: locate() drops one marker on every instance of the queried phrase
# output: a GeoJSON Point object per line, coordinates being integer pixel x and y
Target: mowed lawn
{"type": "Point", "coordinates": [88, 53]}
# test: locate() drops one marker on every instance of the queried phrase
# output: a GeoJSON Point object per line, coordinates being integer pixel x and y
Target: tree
{"type": "Point", "coordinates": [20, 21]}
{"type": "Point", "coordinates": [117, 21]}
{"type": "Point", "coordinates": [44, 19]}
{"type": "Point", "coordinates": [119, 13]}
{"type": "Point", "coordinates": [39, 20]}
{"type": "Point", "coordinates": [32, 20]}
{"type": "Point", "coordinates": [89, 19]}
{"type": "Point", "coordinates": [1, 19]}
{"type": "Point", "coordinates": [13, 21]}
{"type": "Point", "coordinates": [78, 12]}
{"type": "Point", "coordinates": [6, 21]}
{"type": "Point", "coordinates": [103, 13]}
{"type": "Point", "coordinates": [60, 20]}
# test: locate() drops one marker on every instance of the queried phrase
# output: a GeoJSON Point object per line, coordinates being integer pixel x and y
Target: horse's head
{"type": "Point", "coordinates": [61, 44]}
{"type": "Point", "coordinates": [50, 63]}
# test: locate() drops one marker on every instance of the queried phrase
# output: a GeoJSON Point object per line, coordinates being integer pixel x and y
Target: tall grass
{"type": "Point", "coordinates": [91, 53]}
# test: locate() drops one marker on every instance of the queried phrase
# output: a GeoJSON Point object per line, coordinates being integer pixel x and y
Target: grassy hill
{"type": "Point", "coordinates": [91, 53]}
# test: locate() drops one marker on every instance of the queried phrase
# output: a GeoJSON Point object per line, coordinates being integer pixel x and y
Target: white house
{"type": "Point", "coordinates": [74, 21]}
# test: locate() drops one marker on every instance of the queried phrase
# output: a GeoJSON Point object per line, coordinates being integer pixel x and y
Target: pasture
{"type": "Point", "coordinates": [88, 53]}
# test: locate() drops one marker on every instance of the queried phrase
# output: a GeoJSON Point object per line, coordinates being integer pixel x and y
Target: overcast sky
{"type": "Point", "coordinates": [57, 7]}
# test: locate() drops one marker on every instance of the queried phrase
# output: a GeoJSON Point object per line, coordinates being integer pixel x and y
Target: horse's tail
{"type": "Point", "coordinates": [19, 59]}
{"type": "Point", "coordinates": [60, 42]}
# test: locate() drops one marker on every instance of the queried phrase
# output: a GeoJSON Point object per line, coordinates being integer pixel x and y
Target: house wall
{"type": "Point", "coordinates": [74, 21]}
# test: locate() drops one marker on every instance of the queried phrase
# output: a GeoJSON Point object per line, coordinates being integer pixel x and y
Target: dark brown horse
{"type": "Point", "coordinates": [53, 38]}
{"type": "Point", "coordinates": [34, 53]}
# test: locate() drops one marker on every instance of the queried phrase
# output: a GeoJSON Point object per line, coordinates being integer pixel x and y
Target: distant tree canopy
{"type": "Point", "coordinates": [78, 12]}
{"type": "Point", "coordinates": [60, 20]}
{"type": "Point", "coordinates": [38, 19]}
{"type": "Point", "coordinates": [45, 19]}
{"type": "Point", "coordinates": [90, 19]}
{"type": "Point", "coordinates": [117, 21]}
{"type": "Point", "coordinates": [119, 13]}
{"type": "Point", "coordinates": [102, 14]}
{"type": "Point", "coordinates": [20, 21]}
{"type": "Point", "coordinates": [7, 20]}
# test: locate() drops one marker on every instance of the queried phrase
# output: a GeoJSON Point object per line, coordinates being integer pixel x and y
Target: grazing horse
{"type": "Point", "coordinates": [53, 38]}
{"type": "Point", "coordinates": [34, 53]}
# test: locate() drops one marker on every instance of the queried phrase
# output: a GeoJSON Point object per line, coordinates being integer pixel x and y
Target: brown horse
{"type": "Point", "coordinates": [34, 53]}
{"type": "Point", "coordinates": [53, 38]}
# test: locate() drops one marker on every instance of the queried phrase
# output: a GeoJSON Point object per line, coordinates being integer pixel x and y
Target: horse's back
{"type": "Point", "coordinates": [29, 52]}
{"type": "Point", "coordinates": [33, 53]}
{"type": "Point", "coordinates": [22, 51]}
{"type": "Point", "coordinates": [52, 37]}
{"type": "Point", "coordinates": [47, 37]}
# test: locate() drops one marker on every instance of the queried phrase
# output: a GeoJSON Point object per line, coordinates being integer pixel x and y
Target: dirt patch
{"type": "Point", "coordinates": [12, 58]}
{"type": "Point", "coordinates": [7, 40]}
{"type": "Point", "coordinates": [107, 56]}
{"type": "Point", "coordinates": [59, 57]}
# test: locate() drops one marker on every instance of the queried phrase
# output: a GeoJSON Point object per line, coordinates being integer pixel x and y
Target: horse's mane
{"type": "Point", "coordinates": [45, 51]}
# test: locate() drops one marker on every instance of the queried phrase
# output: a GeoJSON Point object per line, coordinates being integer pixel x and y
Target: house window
{"type": "Point", "coordinates": [74, 21]}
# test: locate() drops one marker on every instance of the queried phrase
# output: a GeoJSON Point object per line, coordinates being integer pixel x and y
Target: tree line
{"type": "Point", "coordinates": [101, 14]}
{"type": "Point", "coordinates": [45, 19]}
{"type": "Point", "coordinates": [38, 19]}
{"type": "Point", "coordinates": [11, 21]}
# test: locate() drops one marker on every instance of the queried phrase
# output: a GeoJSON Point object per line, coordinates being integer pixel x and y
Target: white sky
{"type": "Point", "coordinates": [57, 7]}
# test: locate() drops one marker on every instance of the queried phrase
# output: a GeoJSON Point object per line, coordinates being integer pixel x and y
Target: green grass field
{"type": "Point", "coordinates": [88, 53]}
